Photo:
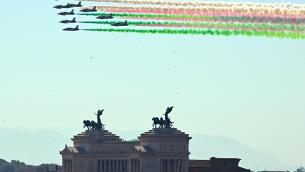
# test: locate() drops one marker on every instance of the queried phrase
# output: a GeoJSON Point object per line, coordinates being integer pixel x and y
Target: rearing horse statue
{"type": "Point", "coordinates": [92, 125]}
{"type": "Point", "coordinates": [163, 123]}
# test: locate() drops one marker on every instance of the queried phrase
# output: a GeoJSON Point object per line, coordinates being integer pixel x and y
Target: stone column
{"type": "Point", "coordinates": [126, 166]}
{"type": "Point", "coordinates": [139, 166]}
{"type": "Point", "coordinates": [110, 165]}
{"type": "Point", "coordinates": [114, 166]}
{"type": "Point", "coordinates": [129, 165]}
{"type": "Point", "coordinates": [98, 167]}
{"type": "Point", "coordinates": [68, 166]}
{"type": "Point", "coordinates": [164, 167]}
{"type": "Point", "coordinates": [160, 165]}
{"type": "Point", "coordinates": [184, 165]}
{"type": "Point", "coordinates": [119, 164]}
{"type": "Point", "coordinates": [168, 165]}
{"type": "Point", "coordinates": [175, 165]}
{"type": "Point", "coordinates": [65, 162]}
{"type": "Point", "coordinates": [102, 166]}
{"type": "Point", "coordinates": [136, 165]}
{"type": "Point", "coordinates": [64, 165]}
{"type": "Point", "coordinates": [107, 166]}
{"type": "Point", "coordinates": [115, 169]}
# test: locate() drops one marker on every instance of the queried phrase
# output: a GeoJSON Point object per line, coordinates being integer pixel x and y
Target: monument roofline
{"type": "Point", "coordinates": [96, 136]}
{"type": "Point", "coordinates": [164, 135]}
{"type": "Point", "coordinates": [164, 131]}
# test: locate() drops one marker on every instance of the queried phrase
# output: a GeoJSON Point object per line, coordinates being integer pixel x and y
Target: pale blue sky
{"type": "Point", "coordinates": [248, 88]}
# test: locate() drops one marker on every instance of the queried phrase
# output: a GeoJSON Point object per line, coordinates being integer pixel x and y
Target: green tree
{"type": "Point", "coordinates": [6, 166]}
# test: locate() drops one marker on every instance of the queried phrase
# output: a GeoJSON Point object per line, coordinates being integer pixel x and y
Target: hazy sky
{"type": "Point", "coordinates": [248, 88]}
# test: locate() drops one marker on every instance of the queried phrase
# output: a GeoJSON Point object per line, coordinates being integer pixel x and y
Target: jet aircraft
{"type": "Point", "coordinates": [105, 16]}
{"type": "Point", "coordinates": [77, 5]}
{"type": "Point", "coordinates": [68, 21]}
{"type": "Point", "coordinates": [120, 23]}
{"type": "Point", "coordinates": [71, 29]}
{"type": "Point", "coordinates": [58, 6]}
{"type": "Point", "coordinates": [66, 13]}
{"type": "Point", "coordinates": [68, 5]}
{"type": "Point", "coordinates": [89, 10]}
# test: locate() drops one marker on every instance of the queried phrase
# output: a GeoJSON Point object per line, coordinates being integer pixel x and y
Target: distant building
{"type": "Point", "coordinates": [216, 165]}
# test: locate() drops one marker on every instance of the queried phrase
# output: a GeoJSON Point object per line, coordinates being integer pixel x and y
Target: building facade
{"type": "Point", "coordinates": [158, 150]}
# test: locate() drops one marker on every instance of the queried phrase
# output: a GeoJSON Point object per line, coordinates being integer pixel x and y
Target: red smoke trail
{"type": "Point", "coordinates": [196, 12]}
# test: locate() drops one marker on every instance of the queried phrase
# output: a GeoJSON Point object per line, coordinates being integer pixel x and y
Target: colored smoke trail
{"type": "Point", "coordinates": [284, 6]}
{"type": "Point", "coordinates": [199, 12]}
{"type": "Point", "coordinates": [283, 20]}
{"type": "Point", "coordinates": [217, 25]}
{"type": "Point", "coordinates": [207, 32]}
{"type": "Point", "coordinates": [180, 17]}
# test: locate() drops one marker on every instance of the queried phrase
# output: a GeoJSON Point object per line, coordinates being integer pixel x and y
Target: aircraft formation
{"type": "Point", "coordinates": [83, 10]}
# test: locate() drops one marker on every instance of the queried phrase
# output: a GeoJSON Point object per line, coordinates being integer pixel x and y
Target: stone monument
{"type": "Point", "coordinates": [161, 149]}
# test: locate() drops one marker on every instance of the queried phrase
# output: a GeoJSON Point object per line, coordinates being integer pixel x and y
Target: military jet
{"type": "Point", "coordinates": [71, 29]}
{"type": "Point", "coordinates": [66, 13]}
{"type": "Point", "coordinates": [58, 6]}
{"type": "Point", "coordinates": [105, 16]}
{"type": "Point", "coordinates": [73, 5]}
{"type": "Point", "coordinates": [64, 6]}
{"type": "Point", "coordinates": [120, 23]}
{"type": "Point", "coordinates": [68, 21]}
{"type": "Point", "coordinates": [77, 5]}
{"type": "Point", "coordinates": [89, 10]}
{"type": "Point", "coordinates": [68, 6]}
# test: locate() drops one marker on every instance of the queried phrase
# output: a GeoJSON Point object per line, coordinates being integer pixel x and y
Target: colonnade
{"type": "Point", "coordinates": [112, 166]}
{"type": "Point", "coordinates": [67, 165]}
{"type": "Point", "coordinates": [171, 165]}
{"type": "Point", "coordinates": [134, 165]}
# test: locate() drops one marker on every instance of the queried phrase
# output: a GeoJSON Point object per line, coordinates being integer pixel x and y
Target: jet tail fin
{"type": "Point", "coordinates": [76, 27]}
{"type": "Point", "coordinates": [74, 19]}
{"type": "Point", "coordinates": [94, 8]}
{"type": "Point", "coordinates": [80, 3]}
{"type": "Point", "coordinates": [72, 11]}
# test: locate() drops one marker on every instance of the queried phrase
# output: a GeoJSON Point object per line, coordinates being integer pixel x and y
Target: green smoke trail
{"type": "Point", "coordinates": [191, 17]}
{"type": "Point", "coordinates": [290, 35]}
{"type": "Point", "coordinates": [240, 26]}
